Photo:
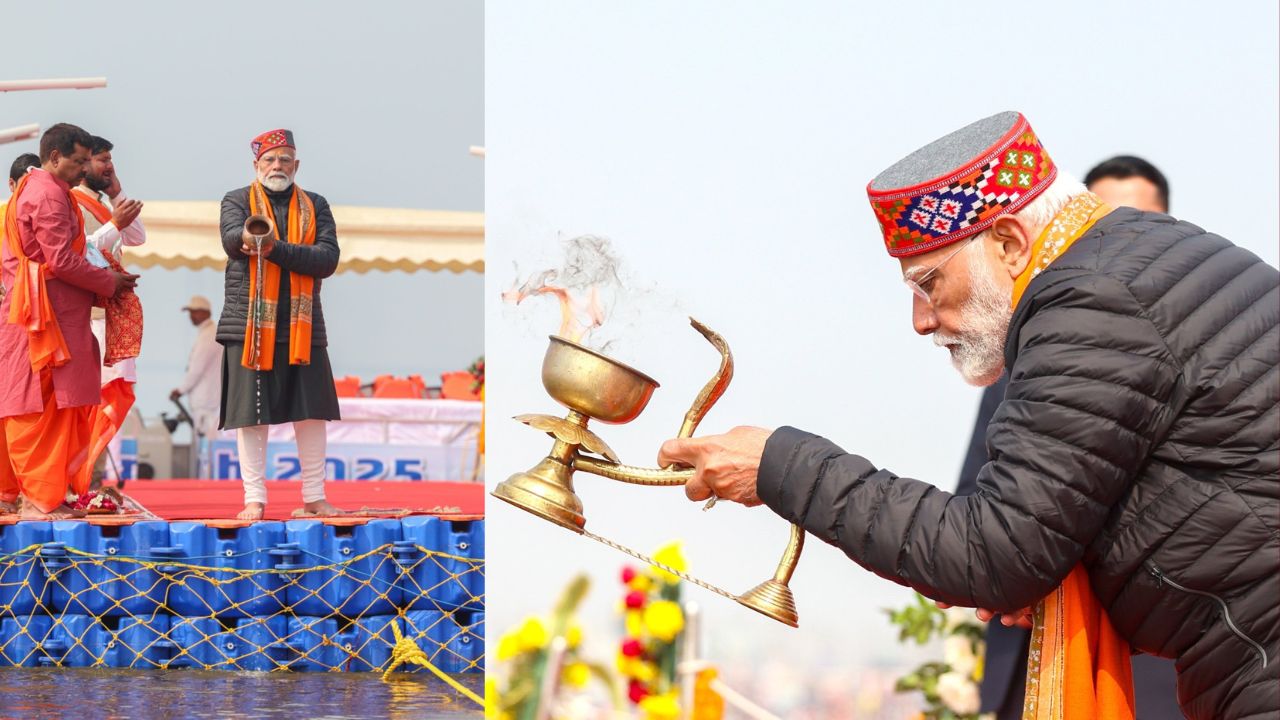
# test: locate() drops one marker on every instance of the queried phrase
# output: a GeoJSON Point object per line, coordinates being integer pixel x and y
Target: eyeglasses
{"type": "Point", "coordinates": [917, 286]}
{"type": "Point", "coordinates": [273, 159]}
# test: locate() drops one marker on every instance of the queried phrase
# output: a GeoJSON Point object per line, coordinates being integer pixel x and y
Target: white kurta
{"type": "Point", "coordinates": [202, 384]}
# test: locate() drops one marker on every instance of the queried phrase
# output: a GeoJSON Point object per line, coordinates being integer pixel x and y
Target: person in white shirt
{"type": "Point", "coordinates": [203, 381]}
{"type": "Point", "coordinates": [110, 222]}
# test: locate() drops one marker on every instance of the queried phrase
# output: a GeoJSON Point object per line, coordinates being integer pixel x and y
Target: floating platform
{"type": "Point", "coordinates": [321, 594]}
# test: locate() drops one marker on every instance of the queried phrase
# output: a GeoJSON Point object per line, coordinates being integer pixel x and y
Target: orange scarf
{"type": "Point", "coordinates": [95, 208]}
{"type": "Point", "coordinates": [262, 328]}
{"type": "Point", "coordinates": [30, 306]}
{"type": "Point", "coordinates": [1078, 666]}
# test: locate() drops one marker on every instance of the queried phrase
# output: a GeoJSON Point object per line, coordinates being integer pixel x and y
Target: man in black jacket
{"type": "Point", "coordinates": [1121, 181]}
{"type": "Point", "coordinates": [1138, 435]}
{"type": "Point", "coordinates": [275, 368]}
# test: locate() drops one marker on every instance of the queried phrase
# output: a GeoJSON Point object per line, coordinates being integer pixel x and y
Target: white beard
{"type": "Point", "coordinates": [979, 347]}
{"type": "Point", "coordinates": [276, 182]}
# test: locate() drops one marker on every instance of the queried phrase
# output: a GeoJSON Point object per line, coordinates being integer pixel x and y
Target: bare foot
{"type": "Point", "coordinates": [252, 511]}
{"type": "Point", "coordinates": [7, 507]}
{"type": "Point", "coordinates": [322, 508]}
{"type": "Point", "coordinates": [62, 512]}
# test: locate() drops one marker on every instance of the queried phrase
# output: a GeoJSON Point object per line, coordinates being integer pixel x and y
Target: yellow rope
{"type": "Point", "coordinates": [407, 651]}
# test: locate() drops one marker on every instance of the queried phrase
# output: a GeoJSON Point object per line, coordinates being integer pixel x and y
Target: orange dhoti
{"type": "Point", "coordinates": [48, 450]}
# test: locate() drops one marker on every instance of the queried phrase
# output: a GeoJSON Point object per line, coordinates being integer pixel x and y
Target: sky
{"type": "Point", "coordinates": [724, 149]}
{"type": "Point", "coordinates": [384, 106]}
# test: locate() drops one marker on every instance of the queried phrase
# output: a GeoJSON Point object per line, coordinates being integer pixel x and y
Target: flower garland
{"type": "Point", "coordinates": [652, 621]}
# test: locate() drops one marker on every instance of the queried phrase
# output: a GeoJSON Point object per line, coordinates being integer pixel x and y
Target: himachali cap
{"type": "Point", "coordinates": [271, 140]}
{"type": "Point", "coordinates": [957, 185]}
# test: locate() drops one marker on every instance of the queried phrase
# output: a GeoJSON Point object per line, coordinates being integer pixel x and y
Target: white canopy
{"type": "Point", "coordinates": [186, 234]}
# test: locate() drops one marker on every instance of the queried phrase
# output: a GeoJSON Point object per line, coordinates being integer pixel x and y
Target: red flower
{"type": "Point", "coordinates": [635, 600]}
{"type": "Point", "coordinates": [628, 574]}
{"type": "Point", "coordinates": [637, 691]}
{"type": "Point", "coordinates": [632, 647]}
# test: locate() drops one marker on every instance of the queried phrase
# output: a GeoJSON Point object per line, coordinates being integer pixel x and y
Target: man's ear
{"type": "Point", "coordinates": [1012, 244]}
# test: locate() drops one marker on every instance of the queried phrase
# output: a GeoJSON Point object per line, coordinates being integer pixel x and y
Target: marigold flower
{"type": "Point", "coordinates": [634, 623]}
{"type": "Point", "coordinates": [663, 619]}
{"type": "Point", "coordinates": [671, 555]}
{"type": "Point", "coordinates": [508, 646]}
{"type": "Point", "coordinates": [660, 707]}
{"type": "Point", "coordinates": [577, 675]}
{"type": "Point", "coordinates": [641, 582]}
{"type": "Point", "coordinates": [532, 635]}
{"type": "Point", "coordinates": [573, 636]}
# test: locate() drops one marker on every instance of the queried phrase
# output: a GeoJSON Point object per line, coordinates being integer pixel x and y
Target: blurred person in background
{"type": "Point", "coordinates": [202, 382]}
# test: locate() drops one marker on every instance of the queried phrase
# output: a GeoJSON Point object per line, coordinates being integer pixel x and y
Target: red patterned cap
{"type": "Point", "coordinates": [957, 185]}
{"type": "Point", "coordinates": [270, 140]}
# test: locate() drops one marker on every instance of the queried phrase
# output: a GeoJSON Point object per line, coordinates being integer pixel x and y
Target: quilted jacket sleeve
{"type": "Point", "coordinates": [1089, 393]}
{"type": "Point", "coordinates": [319, 260]}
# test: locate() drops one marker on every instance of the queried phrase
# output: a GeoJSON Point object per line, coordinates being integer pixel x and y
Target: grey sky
{"type": "Point", "coordinates": [383, 98]}
{"type": "Point", "coordinates": [725, 148]}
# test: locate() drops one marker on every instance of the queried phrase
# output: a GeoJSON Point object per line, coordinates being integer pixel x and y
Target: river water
{"type": "Point", "coordinates": [89, 694]}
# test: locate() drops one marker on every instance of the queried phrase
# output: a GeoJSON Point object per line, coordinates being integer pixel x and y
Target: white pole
{"type": "Point", "coordinates": [22, 132]}
{"type": "Point", "coordinates": [551, 677]}
{"type": "Point", "coordinates": [53, 84]}
{"type": "Point", "coordinates": [690, 657]}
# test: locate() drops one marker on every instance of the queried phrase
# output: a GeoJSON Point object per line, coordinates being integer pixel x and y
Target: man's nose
{"type": "Point", "coordinates": [923, 318]}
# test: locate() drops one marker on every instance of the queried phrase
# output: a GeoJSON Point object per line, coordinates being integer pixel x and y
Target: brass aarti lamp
{"type": "Point", "coordinates": [595, 387]}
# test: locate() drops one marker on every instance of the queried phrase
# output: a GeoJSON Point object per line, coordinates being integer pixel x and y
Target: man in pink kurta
{"type": "Point", "coordinates": [34, 402]}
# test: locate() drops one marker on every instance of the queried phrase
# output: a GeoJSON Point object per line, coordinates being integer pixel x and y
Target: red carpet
{"type": "Point", "coordinates": [209, 499]}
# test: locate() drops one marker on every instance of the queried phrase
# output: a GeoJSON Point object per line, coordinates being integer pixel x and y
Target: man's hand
{"type": "Point", "coordinates": [1021, 618]}
{"type": "Point", "coordinates": [247, 246]}
{"type": "Point", "coordinates": [113, 187]}
{"type": "Point", "coordinates": [175, 394]}
{"type": "Point", "coordinates": [124, 282]}
{"type": "Point", "coordinates": [125, 213]}
{"type": "Point", "coordinates": [724, 465]}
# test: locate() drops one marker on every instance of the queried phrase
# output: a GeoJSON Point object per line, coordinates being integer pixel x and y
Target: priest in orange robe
{"type": "Point", "coordinates": [49, 359]}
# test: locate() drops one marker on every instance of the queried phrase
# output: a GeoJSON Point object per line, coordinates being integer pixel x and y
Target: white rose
{"type": "Point", "coordinates": [957, 651]}
{"type": "Point", "coordinates": [958, 693]}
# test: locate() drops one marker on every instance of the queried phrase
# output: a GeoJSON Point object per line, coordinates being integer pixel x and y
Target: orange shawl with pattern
{"type": "Point", "coordinates": [1078, 667]}
{"type": "Point", "coordinates": [124, 311]}
{"type": "Point", "coordinates": [260, 326]}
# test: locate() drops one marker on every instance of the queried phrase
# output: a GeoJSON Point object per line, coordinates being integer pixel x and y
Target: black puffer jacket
{"type": "Point", "coordinates": [318, 261]}
{"type": "Point", "coordinates": [1140, 435]}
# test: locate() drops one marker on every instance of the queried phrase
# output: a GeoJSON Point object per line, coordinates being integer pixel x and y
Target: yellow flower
{"type": "Point", "coordinates": [577, 675]}
{"type": "Point", "coordinates": [663, 619]}
{"type": "Point", "coordinates": [634, 622]}
{"type": "Point", "coordinates": [532, 635]}
{"type": "Point", "coordinates": [979, 667]}
{"type": "Point", "coordinates": [641, 582]}
{"type": "Point", "coordinates": [660, 707]}
{"type": "Point", "coordinates": [491, 698]}
{"type": "Point", "coordinates": [508, 646]}
{"type": "Point", "coordinates": [672, 556]}
{"type": "Point", "coordinates": [573, 636]}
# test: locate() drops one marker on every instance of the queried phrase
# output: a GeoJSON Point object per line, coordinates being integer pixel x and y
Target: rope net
{"type": "Point", "coordinates": [277, 606]}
